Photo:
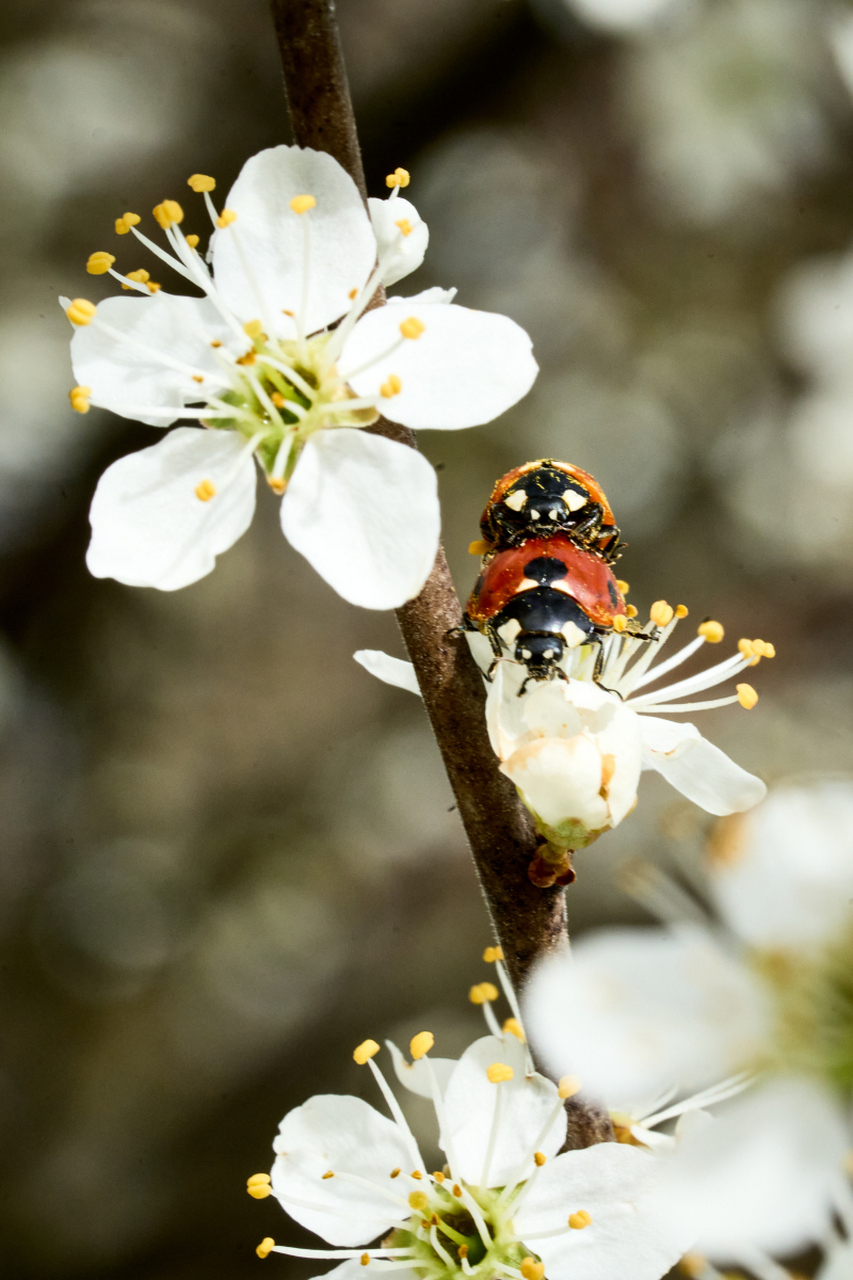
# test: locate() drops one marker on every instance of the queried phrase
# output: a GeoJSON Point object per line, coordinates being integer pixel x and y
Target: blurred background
{"type": "Point", "coordinates": [227, 855]}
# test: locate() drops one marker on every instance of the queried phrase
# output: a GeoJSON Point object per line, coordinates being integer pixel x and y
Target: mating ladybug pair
{"type": "Point", "coordinates": [546, 585]}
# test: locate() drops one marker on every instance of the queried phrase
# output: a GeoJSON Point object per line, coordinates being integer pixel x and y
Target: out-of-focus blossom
{"type": "Point", "coordinates": [507, 1203]}
{"type": "Point", "coordinates": [256, 363]}
{"type": "Point", "coordinates": [624, 15]}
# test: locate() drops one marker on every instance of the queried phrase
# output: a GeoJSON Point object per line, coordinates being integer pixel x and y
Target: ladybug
{"type": "Point", "coordinates": [548, 497]}
{"type": "Point", "coordinates": [542, 598]}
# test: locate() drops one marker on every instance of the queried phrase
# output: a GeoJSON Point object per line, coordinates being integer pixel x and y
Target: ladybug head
{"type": "Point", "coordinates": [541, 652]}
{"type": "Point", "coordinates": [539, 502]}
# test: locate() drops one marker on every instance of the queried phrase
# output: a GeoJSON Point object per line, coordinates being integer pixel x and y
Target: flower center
{"type": "Point", "coordinates": [446, 1241]}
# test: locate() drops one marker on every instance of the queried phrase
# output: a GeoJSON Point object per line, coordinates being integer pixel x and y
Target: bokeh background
{"type": "Point", "coordinates": [226, 855]}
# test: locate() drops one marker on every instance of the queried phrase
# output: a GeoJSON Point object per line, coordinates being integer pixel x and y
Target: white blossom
{"type": "Point", "coordinates": [280, 363]}
{"type": "Point", "coordinates": [507, 1204]}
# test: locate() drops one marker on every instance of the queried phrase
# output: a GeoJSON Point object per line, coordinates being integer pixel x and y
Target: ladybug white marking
{"type": "Point", "coordinates": [574, 635]}
{"type": "Point", "coordinates": [574, 500]}
{"type": "Point", "coordinates": [516, 500]}
{"type": "Point", "coordinates": [509, 630]}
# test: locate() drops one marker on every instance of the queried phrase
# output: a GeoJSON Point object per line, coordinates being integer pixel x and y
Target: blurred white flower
{"type": "Point", "coordinates": [625, 15]}
{"type": "Point", "coordinates": [270, 380]}
{"type": "Point", "coordinates": [506, 1205]}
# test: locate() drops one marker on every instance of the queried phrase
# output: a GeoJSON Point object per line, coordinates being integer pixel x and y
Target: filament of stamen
{"type": "Point", "coordinates": [656, 709]}
{"type": "Point", "coordinates": [521, 1168]}
{"type": "Point", "coordinates": [153, 354]}
{"type": "Point", "coordinates": [725, 670]}
{"type": "Point", "coordinates": [174, 263]}
{"type": "Point", "coordinates": [442, 1124]}
{"type": "Point", "coordinates": [663, 668]}
{"type": "Point", "coordinates": [378, 1190]}
{"type": "Point", "coordinates": [439, 1247]}
{"type": "Point", "coordinates": [397, 1112]}
{"type": "Point", "coordinates": [659, 893]}
{"type": "Point", "coordinates": [292, 376]}
{"type": "Point", "coordinates": [716, 1093]}
{"type": "Point", "coordinates": [493, 1136]}
{"type": "Point", "coordinates": [341, 1253]}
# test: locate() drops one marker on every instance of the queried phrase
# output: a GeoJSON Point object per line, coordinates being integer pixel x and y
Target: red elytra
{"type": "Point", "coordinates": [586, 578]}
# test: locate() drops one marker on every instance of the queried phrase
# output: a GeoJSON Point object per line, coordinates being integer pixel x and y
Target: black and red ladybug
{"type": "Point", "coordinates": [546, 497]}
{"type": "Point", "coordinates": [542, 598]}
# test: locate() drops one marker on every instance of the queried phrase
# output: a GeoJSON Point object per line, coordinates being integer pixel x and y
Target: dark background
{"type": "Point", "coordinates": [227, 855]}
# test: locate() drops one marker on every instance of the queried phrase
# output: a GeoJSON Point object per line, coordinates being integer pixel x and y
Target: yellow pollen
{"type": "Point", "coordinates": [205, 491]}
{"type": "Point", "coordinates": [81, 311]}
{"type": "Point", "coordinates": [249, 358]}
{"type": "Point", "coordinates": [747, 649]}
{"type": "Point", "coordinates": [216, 343]}
{"type": "Point", "coordinates": [763, 648]}
{"type": "Point", "coordinates": [399, 178]}
{"type": "Point", "coordinates": [125, 222]}
{"type": "Point", "coordinates": [253, 328]}
{"type": "Point", "coordinates": [713, 632]}
{"type": "Point", "coordinates": [631, 611]}
{"type": "Point", "coordinates": [482, 993]}
{"type": "Point", "coordinates": [167, 213]}
{"type": "Point", "coordinates": [197, 377]}
{"type": "Point", "coordinates": [265, 1247]}
{"type": "Point", "coordinates": [661, 613]}
{"type": "Point", "coordinates": [352, 294]}
{"type": "Point", "coordinates": [462, 1250]}
{"type": "Point", "coordinates": [285, 312]}
{"type": "Point", "coordinates": [278, 400]}
{"type": "Point", "coordinates": [623, 586]}
{"type": "Point", "coordinates": [278, 485]}
{"type": "Point", "coordinates": [439, 1177]}
{"type": "Point", "coordinates": [259, 1190]}
{"type": "Point", "coordinates": [201, 182]}
{"type": "Point", "coordinates": [140, 277]}
{"type": "Point", "coordinates": [681, 611]}
{"type": "Point", "coordinates": [79, 397]}
{"type": "Point", "coordinates": [692, 1265]}
{"type": "Point", "coordinates": [532, 1270]}
{"type": "Point", "coordinates": [412, 328]}
{"type": "Point", "coordinates": [301, 204]}
{"type": "Point", "coordinates": [491, 954]}
{"type": "Point", "coordinates": [418, 1200]}
{"type": "Point", "coordinates": [257, 1178]}
{"type": "Point", "coordinates": [395, 1173]}
{"type": "Point", "coordinates": [328, 1174]}
{"type": "Point", "coordinates": [364, 1259]}
{"type": "Point", "coordinates": [416, 1174]}
{"type": "Point", "coordinates": [579, 1220]}
{"type": "Point", "coordinates": [100, 262]}
{"type": "Point", "coordinates": [366, 1050]}
{"type": "Point", "coordinates": [192, 241]}
{"type": "Point", "coordinates": [421, 1044]}
{"type": "Point", "coordinates": [391, 387]}
{"type": "Point", "coordinates": [226, 217]}
{"type": "Point", "coordinates": [513, 1027]}
{"type": "Point", "coordinates": [457, 1191]}
{"type": "Point", "coordinates": [539, 1159]}
{"type": "Point", "coordinates": [479, 548]}
{"type": "Point", "coordinates": [746, 696]}
{"type": "Point", "coordinates": [568, 1086]}
{"type": "Point", "coordinates": [498, 1073]}
{"type": "Point", "coordinates": [620, 623]}
{"type": "Point", "coordinates": [405, 226]}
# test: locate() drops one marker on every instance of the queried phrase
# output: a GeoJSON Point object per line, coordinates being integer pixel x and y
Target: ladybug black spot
{"type": "Point", "coordinates": [614, 598]}
{"type": "Point", "coordinates": [545, 570]}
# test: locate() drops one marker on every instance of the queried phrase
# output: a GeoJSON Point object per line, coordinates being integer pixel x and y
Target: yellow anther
{"type": "Point", "coordinates": [277, 484]}
{"type": "Point", "coordinates": [681, 611]}
{"type": "Point", "coordinates": [412, 328]}
{"type": "Point", "coordinates": [192, 241]}
{"type": "Point", "coordinates": [328, 1174]}
{"type": "Point", "coordinates": [167, 213]}
{"type": "Point", "coordinates": [99, 263]}
{"type": "Point", "coordinates": [399, 178]}
{"type": "Point", "coordinates": [205, 491]}
{"type": "Point", "coordinates": [439, 1177]}
{"type": "Point", "coordinates": [421, 1044]}
{"type": "Point", "coordinates": [746, 696]}
{"type": "Point", "coordinates": [226, 217]}
{"type": "Point", "coordinates": [259, 1190]}
{"type": "Point", "coordinates": [201, 182]}
{"type": "Point", "coordinates": [532, 1270]}
{"type": "Point", "coordinates": [249, 358]}
{"type": "Point", "coordinates": [285, 312]}
{"type": "Point", "coordinates": [482, 993]}
{"type": "Point", "coordinates": [141, 276]}
{"type": "Point", "coordinates": [661, 613]}
{"type": "Point", "coordinates": [352, 294]}
{"type": "Point", "coordinates": [746, 648]}
{"type": "Point", "coordinates": [391, 387]}
{"type": "Point", "coordinates": [257, 1178]}
{"type": "Point", "coordinates": [631, 611]}
{"type": "Point", "coordinates": [79, 397]}
{"type": "Point", "coordinates": [491, 954]}
{"type": "Point", "coordinates": [463, 1249]}
{"type": "Point", "coordinates": [769, 649]}
{"type": "Point", "coordinates": [395, 1173]}
{"type": "Point", "coordinates": [539, 1158]}
{"type": "Point", "coordinates": [713, 632]}
{"type": "Point", "coordinates": [364, 1259]}
{"type": "Point", "coordinates": [265, 1247]}
{"type": "Point", "coordinates": [416, 1174]}
{"type": "Point", "coordinates": [620, 623]}
{"type": "Point", "coordinates": [278, 399]}
{"type": "Point", "coordinates": [253, 328]}
{"type": "Point", "coordinates": [479, 548]}
{"type": "Point", "coordinates": [692, 1265]}
{"type": "Point", "coordinates": [498, 1073]}
{"type": "Point", "coordinates": [301, 204]}
{"type": "Point", "coordinates": [125, 222]}
{"type": "Point", "coordinates": [418, 1200]}
{"type": "Point", "coordinates": [568, 1086]}
{"type": "Point", "coordinates": [457, 1191]}
{"type": "Point", "coordinates": [405, 226]}
{"type": "Point", "coordinates": [366, 1050]}
{"type": "Point", "coordinates": [623, 586]}
{"type": "Point", "coordinates": [216, 343]}
{"type": "Point", "coordinates": [579, 1220]}
{"type": "Point", "coordinates": [81, 311]}
{"type": "Point", "coordinates": [512, 1027]}
{"type": "Point", "coordinates": [197, 377]}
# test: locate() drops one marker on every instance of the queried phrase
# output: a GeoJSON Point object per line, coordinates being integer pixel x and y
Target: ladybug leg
{"type": "Point", "coordinates": [590, 527]}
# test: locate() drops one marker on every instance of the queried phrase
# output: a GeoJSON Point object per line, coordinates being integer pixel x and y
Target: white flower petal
{"type": "Point", "coordinates": [259, 260]}
{"type": "Point", "coordinates": [467, 367]}
{"type": "Point", "coordinates": [364, 512]}
{"type": "Point", "coordinates": [636, 1011]}
{"type": "Point", "coordinates": [399, 254]}
{"type": "Point", "coordinates": [786, 880]}
{"type": "Point", "coordinates": [149, 528]}
{"type": "Point", "coordinates": [344, 1135]}
{"type": "Point", "coordinates": [432, 295]}
{"type": "Point", "coordinates": [415, 1077]}
{"type": "Point", "coordinates": [353, 1270]}
{"type": "Point", "coordinates": [764, 1173]}
{"type": "Point", "coordinates": [621, 15]}
{"type": "Point", "coordinates": [124, 377]}
{"type": "Point", "coordinates": [526, 1104]}
{"type": "Point", "coordinates": [393, 671]}
{"type": "Point", "coordinates": [617, 1185]}
{"type": "Point", "coordinates": [695, 767]}
{"type": "Point", "coordinates": [560, 780]}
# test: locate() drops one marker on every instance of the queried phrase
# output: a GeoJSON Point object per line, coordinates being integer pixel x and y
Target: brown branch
{"type": "Point", "coordinates": [528, 921]}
